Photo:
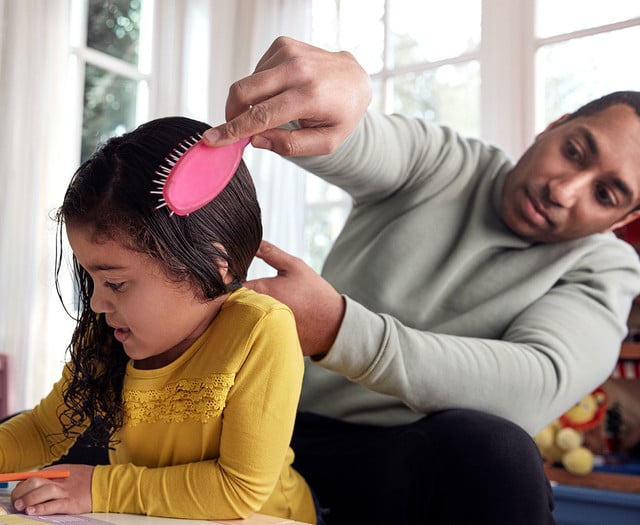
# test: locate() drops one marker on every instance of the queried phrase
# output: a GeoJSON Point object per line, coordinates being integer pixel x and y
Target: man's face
{"type": "Point", "coordinates": [579, 177]}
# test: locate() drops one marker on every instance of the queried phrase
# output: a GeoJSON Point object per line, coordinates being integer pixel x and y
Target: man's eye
{"type": "Point", "coordinates": [573, 152]}
{"type": "Point", "coordinates": [114, 286]}
{"type": "Point", "coordinates": [604, 196]}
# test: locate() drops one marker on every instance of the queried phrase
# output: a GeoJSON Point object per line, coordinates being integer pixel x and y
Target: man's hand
{"type": "Point", "coordinates": [40, 496]}
{"type": "Point", "coordinates": [326, 92]}
{"type": "Point", "coordinates": [316, 305]}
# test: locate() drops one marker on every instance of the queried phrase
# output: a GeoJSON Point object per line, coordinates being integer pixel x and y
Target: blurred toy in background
{"type": "Point", "coordinates": [613, 430]}
{"type": "Point", "coordinates": [619, 439]}
{"type": "Point", "coordinates": [562, 442]}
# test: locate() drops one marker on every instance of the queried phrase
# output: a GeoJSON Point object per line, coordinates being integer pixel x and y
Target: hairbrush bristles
{"type": "Point", "coordinates": [164, 170]}
{"type": "Point", "coordinates": [193, 174]}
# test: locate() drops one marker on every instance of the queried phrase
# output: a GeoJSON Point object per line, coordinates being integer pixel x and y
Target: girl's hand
{"type": "Point", "coordinates": [40, 496]}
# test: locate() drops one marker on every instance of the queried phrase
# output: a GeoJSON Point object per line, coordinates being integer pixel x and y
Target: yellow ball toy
{"type": "Point", "coordinates": [561, 442]}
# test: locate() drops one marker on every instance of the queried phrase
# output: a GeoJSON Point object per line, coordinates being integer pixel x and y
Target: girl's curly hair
{"type": "Point", "coordinates": [110, 196]}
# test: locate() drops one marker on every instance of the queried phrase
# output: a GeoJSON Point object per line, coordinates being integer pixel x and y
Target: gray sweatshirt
{"type": "Point", "coordinates": [446, 307]}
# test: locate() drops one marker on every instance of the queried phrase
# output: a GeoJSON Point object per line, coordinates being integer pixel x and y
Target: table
{"type": "Point", "coordinates": [133, 519]}
{"type": "Point", "coordinates": [97, 518]}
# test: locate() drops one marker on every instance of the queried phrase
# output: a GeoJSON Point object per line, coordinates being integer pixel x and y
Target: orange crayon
{"type": "Point", "coordinates": [49, 474]}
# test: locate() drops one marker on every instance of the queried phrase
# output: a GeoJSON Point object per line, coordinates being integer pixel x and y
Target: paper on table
{"type": "Point", "coordinates": [10, 516]}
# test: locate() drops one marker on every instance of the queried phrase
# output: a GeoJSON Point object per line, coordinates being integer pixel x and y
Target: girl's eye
{"type": "Point", "coordinates": [114, 286]}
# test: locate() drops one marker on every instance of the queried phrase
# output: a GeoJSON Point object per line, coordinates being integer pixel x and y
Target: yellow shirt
{"type": "Point", "coordinates": [207, 436]}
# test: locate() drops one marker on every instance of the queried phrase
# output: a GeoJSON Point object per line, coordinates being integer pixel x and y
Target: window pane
{"type": "Point", "coordinates": [318, 190]}
{"type": "Point", "coordinates": [556, 17]}
{"type": "Point", "coordinates": [322, 225]}
{"type": "Point", "coordinates": [433, 30]}
{"type": "Point", "coordinates": [109, 107]}
{"type": "Point", "coordinates": [114, 28]}
{"type": "Point", "coordinates": [377, 96]}
{"type": "Point", "coordinates": [579, 70]}
{"type": "Point", "coordinates": [324, 21]}
{"type": "Point", "coordinates": [448, 95]}
{"type": "Point", "coordinates": [354, 25]}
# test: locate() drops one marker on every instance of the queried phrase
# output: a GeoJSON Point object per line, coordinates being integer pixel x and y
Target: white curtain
{"type": "Point", "coordinates": [34, 148]}
{"type": "Point", "coordinates": [200, 48]}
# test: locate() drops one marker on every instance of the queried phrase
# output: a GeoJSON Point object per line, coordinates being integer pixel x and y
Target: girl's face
{"type": "Point", "coordinates": [154, 318]}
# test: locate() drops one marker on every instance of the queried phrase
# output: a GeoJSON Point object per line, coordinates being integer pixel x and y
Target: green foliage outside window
{"type": "Point", "coordinates": [113, 28]}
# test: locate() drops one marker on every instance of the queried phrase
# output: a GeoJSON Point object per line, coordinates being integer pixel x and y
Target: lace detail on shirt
{"type": "Point", "coordinates": [200, 399]}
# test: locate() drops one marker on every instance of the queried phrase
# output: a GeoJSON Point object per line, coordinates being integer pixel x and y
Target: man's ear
{"type": "Point", "coordinates": [629, 217]}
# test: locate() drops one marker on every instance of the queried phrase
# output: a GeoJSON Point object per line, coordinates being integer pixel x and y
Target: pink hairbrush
{"type": "Point", "coordinates": [193, 174]}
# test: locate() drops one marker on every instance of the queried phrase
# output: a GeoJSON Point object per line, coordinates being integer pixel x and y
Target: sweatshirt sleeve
{"type": "Point", "coordinates": [557, 350]}
{"type": "Point", "coordinates": [390, 153]}
{"type": "Point", "coordinates": [257, 427]}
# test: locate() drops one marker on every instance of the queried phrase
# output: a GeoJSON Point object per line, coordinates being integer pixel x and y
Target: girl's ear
{"type": "Point", "coordinates": [223, 269]}
{"type": "Point", "coordinates": [223, 265]}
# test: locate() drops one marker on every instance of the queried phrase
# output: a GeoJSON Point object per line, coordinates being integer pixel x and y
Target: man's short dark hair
{"type": "Point", "coordinates": [630, 98]}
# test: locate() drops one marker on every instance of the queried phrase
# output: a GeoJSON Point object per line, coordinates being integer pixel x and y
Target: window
{"type": "Point", "coordinates": [112, 47]}
{"type": "Point", "coordinates": [424, 60]}
{"type": "Point", "coordinates": [584, 50]}
{"type": "Point", "coordinates": [489, 68]}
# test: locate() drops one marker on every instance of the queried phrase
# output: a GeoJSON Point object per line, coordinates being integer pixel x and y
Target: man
{"type": "Point", "coordinates": [467, 302]}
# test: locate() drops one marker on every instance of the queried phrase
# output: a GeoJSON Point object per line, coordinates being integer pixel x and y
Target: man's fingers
{"type": "Point", "coordinates": [276, 258]}
{"type": "Point", "coordinates": [251, 121]}
{"type": "Point", "coordinates": [254, 89]}
{"type": "Point", "coordinates": [326, 92]}
{"type": "Point", "coordinates": [279, 260]}
{"type": "Point", "coordinates": [284, 142]}
{"type": "Point", "coordinates": [261, 103]}
{"type": "Point", "coordinates": [277, 52]}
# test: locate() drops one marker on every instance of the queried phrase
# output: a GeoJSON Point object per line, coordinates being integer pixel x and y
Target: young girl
{"type": "Point", "coordinates": [193, 379]}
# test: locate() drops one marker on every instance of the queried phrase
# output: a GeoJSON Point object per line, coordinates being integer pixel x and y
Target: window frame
{"type": "Point", "coordinates": [80, 55]}
{"type": "Point", "coordinates": [509, 81]}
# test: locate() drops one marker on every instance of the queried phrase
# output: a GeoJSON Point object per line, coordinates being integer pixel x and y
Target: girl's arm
{"type": "Point", "coordinates": [33, 439]}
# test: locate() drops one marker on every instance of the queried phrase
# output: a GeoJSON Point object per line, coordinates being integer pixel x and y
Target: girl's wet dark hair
{"type": "Point", "coordinates": [110, 195]}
